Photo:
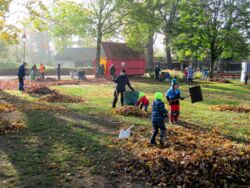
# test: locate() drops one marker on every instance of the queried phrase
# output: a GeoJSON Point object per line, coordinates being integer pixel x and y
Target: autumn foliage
{"type": "Point", "coordinates": [230, 108]}
{"type": "Point", "coordinates": [131, 111]}
{"type": "Point", "coordinates": [191, 158]}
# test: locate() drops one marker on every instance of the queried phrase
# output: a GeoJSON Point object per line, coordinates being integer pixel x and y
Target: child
{"type": "Point", "coordinates": [167, 77]}
{"type": "Point", "coordinates": [143, 101]}
{"type": "Point", "coordinates": [173, 95]}
{"type": "Point", "coordinates": [159, 112]}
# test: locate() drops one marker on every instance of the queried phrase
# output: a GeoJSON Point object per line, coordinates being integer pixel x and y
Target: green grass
{"type": "Point", "coordinates": [8, 65]}
{"type": "Point", "coordinates": [231, 124]}
{"type": "Point", "coordinates": [58, 147]}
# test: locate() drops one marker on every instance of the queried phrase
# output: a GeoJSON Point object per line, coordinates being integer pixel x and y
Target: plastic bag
{"type": "Point", "coordinates": [131, 98]}
{"type": "Point", "coordinates": [125, 133]}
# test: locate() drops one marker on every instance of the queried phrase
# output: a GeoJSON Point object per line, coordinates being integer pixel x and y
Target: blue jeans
{"type": "Point", "coordinates": [156, 127]}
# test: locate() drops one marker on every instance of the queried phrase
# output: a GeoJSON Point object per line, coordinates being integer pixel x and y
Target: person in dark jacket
{"type": "Point", "coordinates": [245, 78]}
{"type": "Point", "coordinates": [157, 72]}
{"type": "Point", "coordinates": [121, 82]}
{"type": "Point", "coordinates": [112, 71]}
{"type": "Point", "coordinates": [102, 70]}
{"type": "Point", "coordinates": [58, 71]}
{"type": "Point", "coordinates": [159, 112]}
{"type": "Point", "coordinates": [173, 95]}
{"type": "Point", "coordinates": [21, 75]}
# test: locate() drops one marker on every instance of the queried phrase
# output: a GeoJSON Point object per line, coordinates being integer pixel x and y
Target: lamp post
{"type": "Point", "coordinates": [24, 40]}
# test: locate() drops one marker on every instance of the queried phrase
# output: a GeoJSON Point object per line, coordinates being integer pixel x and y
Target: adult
{"type": "Point", "coordinates": [245, 78]}
{"type": "Point", "coordinates": [21, 76]}
{"type": "Point", "coordinates": [81, 75]}
{"type": "Point", "coordinates": [157, 72]}
{"type": "Point", "coordinates": [42, 71]}
{"type": "Point", "coordinates": [33, 72]}
{"type": "Point", "coordinates": [190, 75]}
{"type": "Point", "coordinates": [59, 71]}
{"type": "Point", "coordinates": [205, 74]}
{"type": "Point", "coordinates": [102, 70]}
{"type": "Point", "coordinates": [112, 71]}
{"type": "Point", "coordinates": [186, 74]}
{"type": "Point", "coordinates": [121, 82]}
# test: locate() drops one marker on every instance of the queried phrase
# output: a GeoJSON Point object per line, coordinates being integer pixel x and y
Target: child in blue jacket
{"type": "Point", "coordinates": [173, 96]}
{"type": "Point", "coordinates": [159, 112]}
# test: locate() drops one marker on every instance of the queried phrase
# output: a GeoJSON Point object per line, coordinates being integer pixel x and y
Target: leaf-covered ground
{"type": "Point", "coordinates": [75, 144]}
{"type": "Point", "coordinates": [191, 158]}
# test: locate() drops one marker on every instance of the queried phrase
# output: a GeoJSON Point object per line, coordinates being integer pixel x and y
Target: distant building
{"type": "Point", "coordinates": [77, 57]}
{"type": "Point", "coordinates": [122, 57]}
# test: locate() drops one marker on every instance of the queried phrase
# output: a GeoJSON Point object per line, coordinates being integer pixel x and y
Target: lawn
{"type": "Point", "coordinates": [76, 148]}
{"type": "Point", "coordinates": [8, 66]}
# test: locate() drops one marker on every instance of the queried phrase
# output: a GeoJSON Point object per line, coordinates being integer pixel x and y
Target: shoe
{"type": "Point", "coordinates": [152, 143]}
{"type": "Point", "coordinates": [161, 142]}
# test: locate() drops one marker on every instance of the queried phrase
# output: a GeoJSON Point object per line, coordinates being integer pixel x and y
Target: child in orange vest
{"type": "Point", "coordinates": [42, 71]}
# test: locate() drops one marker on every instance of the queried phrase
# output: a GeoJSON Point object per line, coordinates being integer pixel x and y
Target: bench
{"type": "Point", "coordinates": [227, 76]}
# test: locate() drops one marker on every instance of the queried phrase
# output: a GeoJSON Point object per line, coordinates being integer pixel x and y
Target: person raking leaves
{"type": "Point", "coordinates": [143, 102]}
{"type": "Point", "coordinates": [21, 76]}
{"type": "Point", "coordinates": [121, 82]}
{"type": "Point", "coordinates": [159, 113]}
{"type": "Point", "coordinates": [173, 95]}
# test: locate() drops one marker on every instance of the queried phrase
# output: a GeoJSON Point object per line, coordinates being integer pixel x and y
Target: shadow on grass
{"type": "Point", "coordinates": [223, 89]}
{"type": "Point", "coordinates": [52, 152]}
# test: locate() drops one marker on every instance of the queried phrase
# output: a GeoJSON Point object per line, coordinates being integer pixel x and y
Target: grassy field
{"type": "Point", "coordinates": [9, 65]}
{"type": "Point", "coordinates": [75, 147]}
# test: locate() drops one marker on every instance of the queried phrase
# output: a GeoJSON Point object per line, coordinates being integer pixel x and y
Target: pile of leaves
{"type": "Point", "coordinates": [48, 79]}
{"type": "Point", "coordinates": [132, 111]}
{"type": "Point", "coordinates": [7, 127]}
{"type": "Point", "coordinates": [191, 158]}
{"type": "Point", "coordinates": [28, 85]}
{"type": "Point", "coordinates": [61, 98]}
{"type": "Point", "coordinates": [230, 108]}
{"type": "Point", "coordinates": [42, 91]}
{"type": "Point", "coordinates": [6, 108]}
{"type": "Point", "coordinates": [220, 81]}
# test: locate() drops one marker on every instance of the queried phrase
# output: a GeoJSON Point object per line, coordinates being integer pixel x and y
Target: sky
{"type": "Point", "coordinates": [17, 13]}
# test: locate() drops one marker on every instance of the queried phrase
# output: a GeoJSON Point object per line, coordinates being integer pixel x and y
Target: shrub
{"type": "Point", "coordinates": [198, 75]}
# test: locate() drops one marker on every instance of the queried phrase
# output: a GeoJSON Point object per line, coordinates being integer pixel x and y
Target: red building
{"type": "Point", "coordinates": [122, 57]}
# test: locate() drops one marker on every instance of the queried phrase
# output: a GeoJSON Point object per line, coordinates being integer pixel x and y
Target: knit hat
{"type": "Point", "coordinates": [141, 94]}
{"type": "Point", "coordinates": [158, 96]}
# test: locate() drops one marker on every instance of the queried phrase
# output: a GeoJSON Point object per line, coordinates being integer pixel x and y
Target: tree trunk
{"type": "Point", "coordinates": [98, 48]}
{"type": "Point", "coordinates": [195, 64]}
{"type": "Point", "coordinates": [213, 59]}
{"type": "Point", "coordinates": [168, 52]}
{"type": "Point", "coordinates": [150, 53]}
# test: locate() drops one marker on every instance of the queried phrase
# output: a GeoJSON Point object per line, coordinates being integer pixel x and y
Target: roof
{"type": "Point", "coordinates": [77, 54]}
{"type": "Point", "coordinates": [120, 51]}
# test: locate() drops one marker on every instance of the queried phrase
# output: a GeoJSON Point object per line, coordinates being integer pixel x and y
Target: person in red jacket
{"type": "Point", "coordinates": [143, 102]}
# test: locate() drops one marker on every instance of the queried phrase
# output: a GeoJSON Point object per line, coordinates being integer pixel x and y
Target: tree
{"type": "Point", "coordinates": [106, 18]}
{"type": "Point", "coordinates": [167, 13]}
{"type": "Point", "coordinates": [222, 26]}
{"type": "Point", "coordinates": [140, 28]}
{"type": "Point", "coordinates": [95, 18]}
{"type": "Point", "coordinates": [7, 32]}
